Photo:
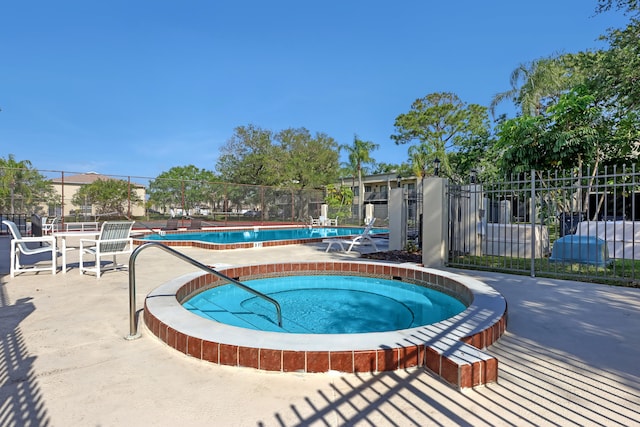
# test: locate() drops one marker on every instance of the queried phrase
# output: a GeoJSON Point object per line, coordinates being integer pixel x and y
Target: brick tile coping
{"type": "Point", "coordinates": [226, 246]}
{"type": "Point", "coordinates": [451, 348]}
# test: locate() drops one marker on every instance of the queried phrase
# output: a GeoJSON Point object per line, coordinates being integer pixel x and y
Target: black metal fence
{"type": "Point", "coordinates": [576, 224]}
{"type": "Point", "coordinates": [19, 219]}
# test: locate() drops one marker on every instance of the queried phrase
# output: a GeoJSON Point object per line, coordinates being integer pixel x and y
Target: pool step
{"type": "Point", "coordinates": [235, 314]}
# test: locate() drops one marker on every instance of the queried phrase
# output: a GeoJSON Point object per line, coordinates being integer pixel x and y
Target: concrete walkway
{"type": "Point", "coordinates": [571, 356]}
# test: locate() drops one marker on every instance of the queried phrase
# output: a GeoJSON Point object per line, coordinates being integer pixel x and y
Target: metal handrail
{"type": "Point", "coordinates": [133, 325]}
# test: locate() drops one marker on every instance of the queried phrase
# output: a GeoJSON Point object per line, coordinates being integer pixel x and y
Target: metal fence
{"type": "Point", "coordinates": [19, 219]}
{"type": "Point", "coordinates": [215, 202]}
{"type": "Point", "coordinates": [579, 224]}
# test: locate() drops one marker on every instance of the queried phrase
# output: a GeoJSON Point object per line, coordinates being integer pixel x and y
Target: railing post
{"type": "Point", "coordinates": [532, 219]}
{"type": "Point", "coordinates": [133, 325]}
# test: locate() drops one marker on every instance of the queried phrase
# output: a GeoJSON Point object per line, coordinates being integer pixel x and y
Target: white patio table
{"type": "Point", "coordinates": [63, 235]}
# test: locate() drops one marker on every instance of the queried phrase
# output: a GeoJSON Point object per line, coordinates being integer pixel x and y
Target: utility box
{"type": "Point", "coordinates": [580, 249]}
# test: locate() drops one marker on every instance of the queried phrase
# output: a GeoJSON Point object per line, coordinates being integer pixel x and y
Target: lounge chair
{"type": "Point", "coordinates": [361, 240]}
{"type": "Point", "coordinates": [172, 224]}
{"type": "Point", "coordinates": [196, 224]}
{"type": "Point", "coordinates": [19, 247]}
{"type": "Point", "coordinates": [114, 240]}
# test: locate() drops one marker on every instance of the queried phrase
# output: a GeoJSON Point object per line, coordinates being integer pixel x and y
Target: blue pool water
{"type": "Point", "coordinates": [263, 234]}
{"type": "Point", "coordinates": [326, 305]}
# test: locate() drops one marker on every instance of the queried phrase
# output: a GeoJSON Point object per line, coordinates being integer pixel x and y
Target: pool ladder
{"type": "Point", "coordinates": [133, 324]}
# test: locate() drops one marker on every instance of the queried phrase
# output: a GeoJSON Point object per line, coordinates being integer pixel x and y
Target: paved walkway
{"type": "Point", "coordinates": [571, 356]}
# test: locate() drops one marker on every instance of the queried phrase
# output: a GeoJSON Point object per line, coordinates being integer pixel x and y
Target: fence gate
{"type": "Point", "coordinates": [414, 217]}
{"type": "Point", "coordinates": [460, 237]}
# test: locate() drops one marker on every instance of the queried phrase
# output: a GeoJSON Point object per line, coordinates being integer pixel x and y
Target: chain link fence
{"type": "Point", "coordinates": [151, 200]}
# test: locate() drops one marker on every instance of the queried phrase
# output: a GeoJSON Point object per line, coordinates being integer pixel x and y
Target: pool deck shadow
{"type": "Point", "coordinates": [569, 357]}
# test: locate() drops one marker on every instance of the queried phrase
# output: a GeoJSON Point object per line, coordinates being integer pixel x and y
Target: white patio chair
{"type": "Point", "coordinates": [50, 225]}
{"type": "Point", "coordinates": [114, 240]}
{"type": "Point", "coordinates": [19, 248]}
{"type": "Point", "coordinates": [363, 239]}
{"type": "Point", "coordinates": [315, 221]}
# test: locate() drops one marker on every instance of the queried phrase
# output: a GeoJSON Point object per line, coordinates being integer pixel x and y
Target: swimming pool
{"type": "Point", "coordinates": [451, 348]}
{"type": "Point", "coordinates": [326, 304]}
{"type": "Point", "coordinates": [223, 238]}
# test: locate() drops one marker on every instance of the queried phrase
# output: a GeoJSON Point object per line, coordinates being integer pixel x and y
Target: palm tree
{"type": "Point", "coordinates": [421, 157]}
{"type": "Point", "coordinates": [534, 85]}
{"type": "Point", "coordinates": [13, 176]}
{"type": "Point", "coordinates": [359, 158]}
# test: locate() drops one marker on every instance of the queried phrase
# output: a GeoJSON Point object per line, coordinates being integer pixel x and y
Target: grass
{"type": "Point", "coordinates": [621, 272]}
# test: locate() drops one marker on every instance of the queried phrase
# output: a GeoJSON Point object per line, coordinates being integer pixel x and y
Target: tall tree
{"type": "Point", "coordinates": [18, 180]}
{"type": "Point", "coordinates": [250, 156]}
{"type": "Point", "coordinates": [612, 78]}
{"type": "Point", "coordinates": [421, 157]}
{"type": "Point", "coordinates": [184, 186]}
{"type": "Point", "coordinates": [620, 64]}
{"type": "Point", "coordinates": [575, 131]}
{"type": "Point", "coordinates": [443, 123]}
{"type": "Point", "coordinates": [308, 161]}
{"type": "Point", "coordinates": [628, 6]}
{"type": "Point", "coordinates": [359, 158]}
{"type": "Point", "coordinates": [535, 85]}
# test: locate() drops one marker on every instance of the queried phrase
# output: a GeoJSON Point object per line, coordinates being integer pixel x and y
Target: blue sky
{"type": "Point", "coordinates": [139, 86]}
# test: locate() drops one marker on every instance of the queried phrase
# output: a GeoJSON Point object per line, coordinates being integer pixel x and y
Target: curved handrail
{"type": "Point", "coordinates": [133, 326]}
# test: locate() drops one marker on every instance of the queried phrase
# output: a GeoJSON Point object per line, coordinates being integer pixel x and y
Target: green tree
{"type": "Point", "coordinates": [381, 167]}
{"type": "Point", "coordinates": [628, 6]}
{"type": "Point", "coordinates": [421, 157]}
{"type": "Point", "coordinates": [187, 187]}
{"type": "Point", "coordinates": [535, 85]}
{"type": "Point", "coordinates": [574, 132]}
{"type": "Point", "coordinates": [307, 161]}
{"type": "Point", "coordinates": [339, 200]}
{"type": "Point", "coordinates": [250, 156]}
{"type": "Point", "coordinates": [290, 158]}
{"type": "Point", "coordinates": [611, 78]}
{"type": "Point", "coordinates": [443, 123]}
{"type": "Point", "coordinates": [616, 75]}
{"type": "Point", "coordinates": [19, 181]}
{"type": "Point", "coordinates": [109, 197]}
{"type": "Point", "coordinates": [477, 155]}
{"type": "Point", "coordinates": [359, 158]}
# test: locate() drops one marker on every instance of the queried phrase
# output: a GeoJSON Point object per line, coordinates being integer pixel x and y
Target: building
{"type": "Point", "coordinates": [67, 186]}
{"type": "Point", "coordinates": [375, 190]}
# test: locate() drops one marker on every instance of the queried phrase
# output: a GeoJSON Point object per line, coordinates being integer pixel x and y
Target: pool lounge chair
{"type": "Point", "coordinates": [196, 224]}
{"type": "Point", "coordinates": [361, 240]}
{"type": "Point", "coordinates": [19, 248]}
{"type": "Point", "coordinates": [115, 239]}
{"type": "Point", "coordinates": [172, 224]}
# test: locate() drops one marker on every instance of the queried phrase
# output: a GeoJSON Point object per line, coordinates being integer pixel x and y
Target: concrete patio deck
{"type": "Point", "coordinates": [571, 356]}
